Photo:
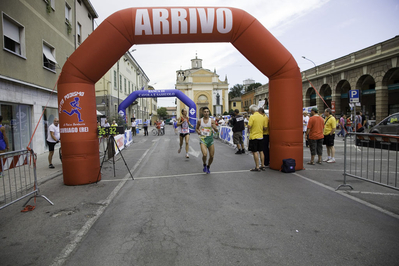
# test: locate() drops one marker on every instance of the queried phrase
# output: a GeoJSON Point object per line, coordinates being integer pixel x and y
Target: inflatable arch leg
{"type": "Point", "coordinates": [156, 25]}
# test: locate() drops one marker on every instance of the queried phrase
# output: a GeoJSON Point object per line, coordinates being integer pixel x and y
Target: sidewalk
{"type": "Point", "coordinates": [43, 172]}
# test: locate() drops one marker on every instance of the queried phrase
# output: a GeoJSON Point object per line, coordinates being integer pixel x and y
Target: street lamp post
{"type": "Point", "coordinates": [312, 62]}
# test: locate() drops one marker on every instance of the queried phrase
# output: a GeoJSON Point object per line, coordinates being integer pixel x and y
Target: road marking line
{"type": "Point", "coordinates": [394, 215]}
{"type": "Point", "coordinates": [63, 256]}
{"type": "Point", "coordinates": [201, 173]}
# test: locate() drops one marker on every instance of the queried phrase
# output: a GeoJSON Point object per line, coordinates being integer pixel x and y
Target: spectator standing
{"type": "Point", "coordinates": [315, 136]}
{"type": "Point", "coordinates": [237, 123]}
{"type": "Point", "coordinates": [3, 137]}
{"type": "Point", "coordinates": [342, 122]}
{"type": "Point", "coordinates": [134, 124]}
{"type": "Point", "coordinates": [265, 138]}
{"type": "Point", "coordinates": [329, 135]}
{"type": "Point", "coordinates": [53, 138]}
{"type": "Point", "coordinates": [145, 127]}
{"type": "Point", "coordinates": [256, 124]}
{"type": "Point", "coordinates": [305, 126]}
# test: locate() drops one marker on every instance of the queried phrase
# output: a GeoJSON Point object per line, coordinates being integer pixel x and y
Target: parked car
{"type": "Point", "coordinates": [389, 125]}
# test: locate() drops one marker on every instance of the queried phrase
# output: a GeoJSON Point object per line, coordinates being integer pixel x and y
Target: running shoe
{"type": "Point", "coordinates": [331, 161]}
{"type": "Point", "coordinates": [205, 170]}
{"type": "Point", "coordinates": [208, 171]}
{"type": "Point", "coordinates": [179, 150]}
{"type": "Point", "coordinates": [187, 155]}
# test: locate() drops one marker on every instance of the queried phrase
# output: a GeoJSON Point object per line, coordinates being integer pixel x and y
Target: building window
{"type": "Point", "coordinates": [79, 33]}
{"type": "Point", "coordinates": [67, 12]}
{"type": "Point", "coordinates": [129, 86]}
{"type": "Point", "coordinates": [115, 81]}
{"type": "Point", "coordinates": [234, 104]}
{"type": "Point", "coordinates": [120, 82]}
{"type": "Point", "coordinates": [125, 87]}
{"type": "Point", "coordinates": [49, 61]}
{"type": "Point", "coordinates": [13, 36]}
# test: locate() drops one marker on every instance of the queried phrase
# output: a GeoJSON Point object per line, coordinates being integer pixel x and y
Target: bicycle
{"type": "Point", "coordinates": [155, 132]}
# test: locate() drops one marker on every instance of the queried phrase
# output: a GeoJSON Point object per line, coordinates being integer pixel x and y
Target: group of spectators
{"type": "Point", "coordinates": [258, 129]}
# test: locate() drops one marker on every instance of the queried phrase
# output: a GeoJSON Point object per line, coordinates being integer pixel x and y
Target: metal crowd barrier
{"type": "Point", "coordinates": [372, 158]}
{"type": "Point", "coordinates": [18, 177]}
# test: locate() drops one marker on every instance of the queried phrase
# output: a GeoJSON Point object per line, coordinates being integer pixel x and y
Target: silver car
{"type": "Point", "coordinates": [389, 125]}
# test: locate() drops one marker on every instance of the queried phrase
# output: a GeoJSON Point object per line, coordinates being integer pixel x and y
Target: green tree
{"type": "Point", "coordinates": [162, 112]}
{"type": "Point", "coordinates": [253, 86]}
{"type": "Point", "coordinates": [236, 91]}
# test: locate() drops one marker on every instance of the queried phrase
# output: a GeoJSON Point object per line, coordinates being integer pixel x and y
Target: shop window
{"type": "Point", "coordinates": [13, 36]}
{"type": "Point", "coordinates": [49, 61]}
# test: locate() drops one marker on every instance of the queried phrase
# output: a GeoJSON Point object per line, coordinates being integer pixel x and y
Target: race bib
{"type": "Point", "coordinates": [184, 130]}
{"type": "Point", "coordinates": [205, 132]}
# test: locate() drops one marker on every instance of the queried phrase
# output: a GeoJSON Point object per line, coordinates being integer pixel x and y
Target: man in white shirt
{"type": "Point", "coordinates": [305, 126]}
{"type": "Point", "coordinates": [53, 137]}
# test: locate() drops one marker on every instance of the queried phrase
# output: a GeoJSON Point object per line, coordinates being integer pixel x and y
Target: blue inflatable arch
{"type": "Point", "coordinates": [192, 108]}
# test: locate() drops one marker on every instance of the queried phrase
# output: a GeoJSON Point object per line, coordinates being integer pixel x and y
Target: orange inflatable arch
{"type": "Point", "coordinates": [120, 31]}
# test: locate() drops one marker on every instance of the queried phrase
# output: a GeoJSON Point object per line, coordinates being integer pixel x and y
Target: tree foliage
{"type": "Point", "coordinates": [236, 91]}
{"type": "Point", "coordinates": [162, 112]}
{"type": "Point", "coordinates": [253, 86]}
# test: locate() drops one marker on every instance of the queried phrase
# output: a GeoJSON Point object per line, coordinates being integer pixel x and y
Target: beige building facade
{"type": "Point", "coordinates": [124, 77]}
{"type": "Point", "coordinates": [37, 39]}
{"type": "Point", "coordinates": [203, 87]}
{"type": "Point", "coordinates": [374, 71]}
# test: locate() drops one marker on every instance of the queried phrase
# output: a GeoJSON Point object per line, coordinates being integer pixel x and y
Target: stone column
{"type": "Point", "coordinates": [320, 104]}
{"type": "Point", "coordinates": [337, 99]}
{"type": "Point", "coordinates": [306, 100]}
{"type": "Point", "coordinates": [381, 102]}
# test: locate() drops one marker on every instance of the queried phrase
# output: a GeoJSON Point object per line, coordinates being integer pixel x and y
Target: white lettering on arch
{"type": "Point", "coordinates": [142, 22]}
{"type": "Point", "coordinates": [206, 21]}
{"type": "Point", "coordinates": [193, 20]}
{"type": "Point", "coordinates": [224, 20]}
{"type": "Point", "coordinates": [160, 16]}
{"type": "Point", "coordinates": [179, 22]}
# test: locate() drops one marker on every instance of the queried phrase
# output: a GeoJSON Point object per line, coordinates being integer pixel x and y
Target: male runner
{"type": "Point", "coordinates": [205, 128]}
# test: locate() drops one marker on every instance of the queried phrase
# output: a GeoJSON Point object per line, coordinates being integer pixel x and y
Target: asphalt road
{"type": "Point", "coordinates": [174, 214]}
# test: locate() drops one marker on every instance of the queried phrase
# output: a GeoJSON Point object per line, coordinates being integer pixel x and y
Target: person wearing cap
{"type": "Point", "coordinates": [305, 126]}
{"type": "Point", "coordinates": [314, 134]}
{"type": "Point", "coordinates": [330, 124]}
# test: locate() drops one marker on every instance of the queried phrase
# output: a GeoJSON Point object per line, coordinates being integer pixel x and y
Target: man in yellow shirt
{"type": "Point", "coordinates": [329, 135]}
{"type": "Point", "coordinates": [256, 125]}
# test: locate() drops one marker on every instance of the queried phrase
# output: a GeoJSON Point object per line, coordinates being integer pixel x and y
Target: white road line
{"type": "Point", "coordinates": [63, 256]}
{"type": "Point", "coordinates": [394, 215]}
{"type": "Point", "coordinates": [201, 173]}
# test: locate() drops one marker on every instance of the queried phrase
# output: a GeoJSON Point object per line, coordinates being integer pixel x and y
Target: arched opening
{"type": "Point", "coordinates": [310, 97]}
{"type": "Point", "coordinates": [325, 92]}
{"type": "Point", "coordinates": [366, 87]}
{"type": "Point", "coordinates": [159, 25]}
{"type": "Point", "coordinates": [391, 80]}
{"type": "Point", "coordinates": [343, 88]}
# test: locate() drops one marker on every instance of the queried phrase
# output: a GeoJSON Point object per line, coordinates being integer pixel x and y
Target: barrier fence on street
{"type": "Point", "coordinates": [18, 177]}
{"type": "Point", "coordinates": [372, 158]}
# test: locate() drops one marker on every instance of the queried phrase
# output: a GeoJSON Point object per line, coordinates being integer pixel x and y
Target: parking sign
{"type": "Point", "coordinates": [354, 96]}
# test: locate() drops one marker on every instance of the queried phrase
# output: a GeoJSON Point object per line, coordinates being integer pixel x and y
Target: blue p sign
{"type": "Point", "coordinates": [354, 96]}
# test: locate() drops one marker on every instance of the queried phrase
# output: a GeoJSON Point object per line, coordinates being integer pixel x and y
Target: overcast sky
{"type": "Point", "coordinates": [321, 30]}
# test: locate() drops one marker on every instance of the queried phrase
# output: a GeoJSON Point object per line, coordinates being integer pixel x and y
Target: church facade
{"type": "Point", "coordinates": [203, 87]}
